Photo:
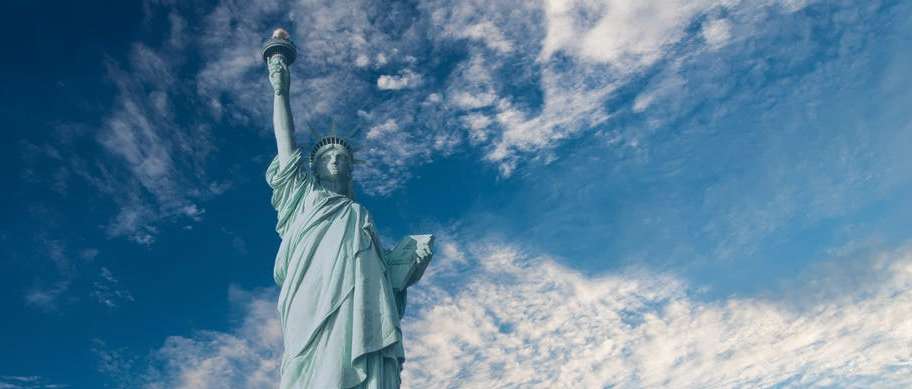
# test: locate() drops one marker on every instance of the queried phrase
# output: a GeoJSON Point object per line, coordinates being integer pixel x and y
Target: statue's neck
{"type": "Point", "coordinates": [336, 186]}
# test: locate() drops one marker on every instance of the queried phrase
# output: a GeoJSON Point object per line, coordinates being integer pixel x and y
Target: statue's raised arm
{"type": "Point", "coordinates": [277, 62]}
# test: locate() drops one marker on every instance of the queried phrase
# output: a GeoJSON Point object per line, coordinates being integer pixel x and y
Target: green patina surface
{"type": "Point", "coordinates": [342, 296]}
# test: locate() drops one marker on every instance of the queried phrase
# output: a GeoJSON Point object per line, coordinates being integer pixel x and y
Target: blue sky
{"type": "Point", "coordinates": [625, 194]}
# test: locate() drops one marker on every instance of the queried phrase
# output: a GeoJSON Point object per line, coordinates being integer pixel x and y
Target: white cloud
{"type": "Point", "coordinates": [543, 72]}
{"type": "Point", "coordinates": [46, 297]}
{"type": "Point", "coordinates": [28, 382]}
{"type": "Point", "coordinates": [735, 171]}
{"type": "Point", "coordinates": [716, 32]}
{"type": "Point", "coordinates": [404, 80]}
{"type": "Point", "coordinates": [162, 173]}
{"type": "Point", "coordinates": [107, 290]}
{"type": "Point", "coordinates": [522, 321]}
{"type": "Point", "coordinates": [569, 107]}
{"type": "Point", "coordinates": [667, 86]}
{"type": "Point", "coordinates": [488, 33]}
{"type": "Point", "coordinates": [362, 61]}
{"type": "Point", "coordinates": [117, 364]}
{"type": "Point", "coordinates": [494, 316]}
{"type": "Point", "coordinates": [381, 59]}
{"type": "Point", "coordinates": [588, 51]}
{"type": "Point", "coordinates": [466, 100]}
{"type": "Point", "coordinates": [386, 129]}
{"type": "Point", "coordinates": [64, 285]}
{"type": "Point", "coordinates": [574, 55]}
{"type": "Point", "coordinates": [626, 35]}
{"type": "Point", "coordinates": [478, 127]}
{"type": "Point", "coordinates": [390, 150]}
{"type": "Point", "coordinates": [88, 254]}
{"type": "Point", "coordinates": [247, 357]}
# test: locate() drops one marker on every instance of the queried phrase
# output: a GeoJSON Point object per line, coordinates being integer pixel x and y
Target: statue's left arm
{"type": "Point", "coordinates": [407, 261]}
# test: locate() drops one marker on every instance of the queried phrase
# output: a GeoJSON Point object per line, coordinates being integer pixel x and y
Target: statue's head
{"type": "Point", "coordinates": [332, 161]}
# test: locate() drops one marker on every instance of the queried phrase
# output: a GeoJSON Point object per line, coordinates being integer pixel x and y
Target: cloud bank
{"type": "Point", "coordinates": [247, 357]}
{"type": "Point", "coordinates": [508, 81]}
{"type": "Point", "coordinates": [493, 316]}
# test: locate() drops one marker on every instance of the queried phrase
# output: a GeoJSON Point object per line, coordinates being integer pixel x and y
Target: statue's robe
{"type": "Point", "coordinates": [339, 313]}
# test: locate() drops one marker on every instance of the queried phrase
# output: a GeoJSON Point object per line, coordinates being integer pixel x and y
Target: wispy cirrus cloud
{"type": "Point", "coordinates": [47, 296]}
{"type": "Point", "coordinates": [117, 364]}
{"type": "Point", "coordinates": [28, 382]}
{"type": "Point", "coordinates": [522, 69]}
{"type": "Point", "coordinates": [161, 175]}
{"type": "Point", "coordinates": [732, 156]}
{"type": "Point", "coordinates": [523, 320]}
{"type": "Point", "coordinates": [143, 156]}
{"type": "Point", "coordinates": [566, 63]}
{"type": "Point", "coordinates": [108, 291]}
{"type": "Point", "coordinates": [64, 284]}
{"type": "Point", "coordinates": [513, 80]}
{"type": "Point", "coordinates": [493, 315]}
{"type": "Point", "coordinates": [53, 287]}
{"type": "Point", "coordinates": [247, 357]}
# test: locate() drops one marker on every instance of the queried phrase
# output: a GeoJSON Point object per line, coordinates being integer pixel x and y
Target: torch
{"type": "Point", "coordinates": [280, 44]}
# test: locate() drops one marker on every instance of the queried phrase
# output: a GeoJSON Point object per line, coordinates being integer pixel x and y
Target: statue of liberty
{"type": "Point", "coordinates": [342, 296]}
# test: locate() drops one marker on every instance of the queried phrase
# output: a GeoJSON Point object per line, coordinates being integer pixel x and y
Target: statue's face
{"type": "Point", "coordinates": [334, 164]}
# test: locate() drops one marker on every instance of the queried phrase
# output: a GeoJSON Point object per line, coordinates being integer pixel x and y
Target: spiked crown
{"type": "Point", "coordinates": [327, 142]}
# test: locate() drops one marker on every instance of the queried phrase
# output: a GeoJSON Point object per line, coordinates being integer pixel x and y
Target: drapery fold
{"type": "Point", "coordinates": [338, 311]}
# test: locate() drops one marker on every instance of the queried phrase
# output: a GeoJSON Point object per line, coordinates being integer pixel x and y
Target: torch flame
{"type": "Point", "coordinates": [280, 33]}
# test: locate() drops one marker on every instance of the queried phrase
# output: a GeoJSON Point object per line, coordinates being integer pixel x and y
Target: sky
{"type": "Point", "coordinates": [659, 193]}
